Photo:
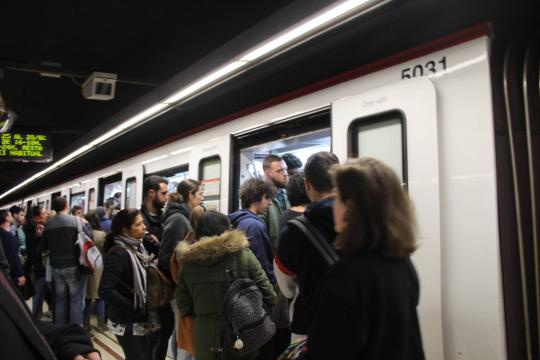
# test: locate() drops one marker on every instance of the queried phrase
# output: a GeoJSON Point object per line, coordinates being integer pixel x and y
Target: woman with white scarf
{"type": "Point", "coordinates": [123, 286]}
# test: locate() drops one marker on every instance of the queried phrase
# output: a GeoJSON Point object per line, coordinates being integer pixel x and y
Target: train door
{"type": "Point", "coordinates": [209, 163]}
{"type": "Point", "coordinates": [302, 136]}
{"type": "Point", "coordinates": [77, 196]}
{"type": "Point", "coordinates": [132, 179]}
{"type": "Point", "coordinates": [174, 167]}
{"type": "Point", "coordinates": [91, 195]}
{"type": "Point", "coordinates": [110, 186]}
{"type": "Point", "coordinates": [398, 125]}
{"type": "Point", "coordinates": [44, 201]}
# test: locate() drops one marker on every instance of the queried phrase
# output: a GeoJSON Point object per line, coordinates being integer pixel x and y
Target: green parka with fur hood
{"type": "Point", "coordinates": [208, 267]}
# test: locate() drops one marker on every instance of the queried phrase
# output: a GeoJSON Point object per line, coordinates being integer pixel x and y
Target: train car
{"type": "Point", "coordinates": [456, 116]}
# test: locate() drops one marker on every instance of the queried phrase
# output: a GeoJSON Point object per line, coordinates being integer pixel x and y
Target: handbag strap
{"type": "Point", "coordinates": [315, 237]}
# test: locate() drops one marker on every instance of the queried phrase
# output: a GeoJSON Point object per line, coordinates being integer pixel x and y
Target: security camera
{"type": "Point", "coordinates": [99, 86]}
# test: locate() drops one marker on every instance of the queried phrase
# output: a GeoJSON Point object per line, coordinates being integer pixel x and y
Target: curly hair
{"type": "Point", "coordinates": [379, 216]}
{"type": "Point", "coordinates": [254, 190]}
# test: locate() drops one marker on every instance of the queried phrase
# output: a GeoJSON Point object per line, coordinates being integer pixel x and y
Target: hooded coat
{"type": "Point", "coordinates": [208, 268]}
{"type": "Point", "coordinates": [259, 242]}
{"type": "Point", "coordinates": [175, 228]}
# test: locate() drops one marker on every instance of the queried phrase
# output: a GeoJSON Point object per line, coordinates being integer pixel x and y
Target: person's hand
{"type": "Point", "coordinates": [21, 281]}
{"type": "Point", "coordinates": [90, 356]}
{"type": "Point", "coordinates": [153, 238]}
{"type": "Point", "coordinates": [39, 229]}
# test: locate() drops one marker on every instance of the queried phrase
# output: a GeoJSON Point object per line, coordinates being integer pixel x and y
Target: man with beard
{"type": "Point", "coordinates": [275, 171]}
{"type": "Point", "coordinates": [155, 192]}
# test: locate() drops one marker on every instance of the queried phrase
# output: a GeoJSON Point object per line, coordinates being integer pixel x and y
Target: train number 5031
{"type": "Point", "coordinates": [430, 67]}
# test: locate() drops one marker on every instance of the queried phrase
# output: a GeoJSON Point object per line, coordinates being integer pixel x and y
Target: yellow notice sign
{"type": "Point", "coordinates": [25, 147]}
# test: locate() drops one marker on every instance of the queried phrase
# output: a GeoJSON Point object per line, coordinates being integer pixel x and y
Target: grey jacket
{"type": "Point", "coordinates": [175, 228]}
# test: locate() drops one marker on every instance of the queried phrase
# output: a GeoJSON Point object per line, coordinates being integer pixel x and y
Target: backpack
{"type": "Point", "coordinates": [159, 289]}
{"type": "Point", "coordinates": [316, 239]}
{"type": "Point", "coordinates": [247, 324]}
{"type": "Point", "coordinates": [90, 257]}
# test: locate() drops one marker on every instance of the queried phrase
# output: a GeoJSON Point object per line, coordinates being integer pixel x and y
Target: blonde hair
{"type": "Point", "coordinates": [379, 214]}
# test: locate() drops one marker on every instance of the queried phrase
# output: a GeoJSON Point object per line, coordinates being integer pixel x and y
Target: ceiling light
{"type": "Point", "coordinates": [303, 29]}
{"type": "Point", "coordinates": [216, 75]}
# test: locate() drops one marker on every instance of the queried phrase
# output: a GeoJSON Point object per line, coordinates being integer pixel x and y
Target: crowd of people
{"type": "Point", "coordinates": [341, 286]}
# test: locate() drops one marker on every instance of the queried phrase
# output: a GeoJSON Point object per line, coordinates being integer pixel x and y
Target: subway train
{"type": "Point", "coordinates": [457, 117]}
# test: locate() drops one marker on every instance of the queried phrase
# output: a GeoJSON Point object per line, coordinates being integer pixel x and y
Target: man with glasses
{"type": "Point", "coordinates": [155, 195]}
{"type": "Point", "coordinates": [275, 171]}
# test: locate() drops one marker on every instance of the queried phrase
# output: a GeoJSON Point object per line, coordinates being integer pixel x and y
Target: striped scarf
{"type": "Point", "coordinates": [139, 259]}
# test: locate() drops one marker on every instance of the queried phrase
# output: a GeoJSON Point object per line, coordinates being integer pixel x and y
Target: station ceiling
{"type": "Point", "coordinates": [162, 44]}
{"type": "Point", "coordinates": [146, 42]}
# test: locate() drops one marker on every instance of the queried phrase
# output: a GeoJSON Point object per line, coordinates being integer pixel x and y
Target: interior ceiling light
{"type": "Point", "coordinates": [317, 24]}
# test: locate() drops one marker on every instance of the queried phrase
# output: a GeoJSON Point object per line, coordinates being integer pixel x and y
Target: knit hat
{"type": "Point", "coordinates": [292, 161]}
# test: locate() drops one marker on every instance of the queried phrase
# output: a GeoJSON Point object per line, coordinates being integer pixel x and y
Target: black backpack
{"type": "Point", "coordinates": [247, 324]}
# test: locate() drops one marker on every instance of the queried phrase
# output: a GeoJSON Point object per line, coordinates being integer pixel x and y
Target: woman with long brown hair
{"type": "Point", "coordinates": [367, 302]}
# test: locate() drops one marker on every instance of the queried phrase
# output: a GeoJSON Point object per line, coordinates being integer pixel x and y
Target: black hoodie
{"type": "Point", "coordinates": [296, 256]}
{"type": "Point", "coordinates": [175, 228]}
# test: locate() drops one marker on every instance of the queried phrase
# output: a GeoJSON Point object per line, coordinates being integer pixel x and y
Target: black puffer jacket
{"type": "Point", "coordinates": [175, 228]}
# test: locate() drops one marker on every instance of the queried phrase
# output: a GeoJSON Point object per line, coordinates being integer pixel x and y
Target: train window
{"type": "Point", "coordinates": [381, 137]}
{"type": "Point", "coordinates": [77, 199]}
{"type": "Point", "coordinates": [91, 199]}
{"type": "Point", "coordinates": [210, 178]}
{"type": "Point", "coordinates": [131, 193]}
{"type": "Point", "coordinates": [110, 188]}
{"type": "Point", "coordinates": [47, 204]}
{"type": "Point", "coordinates": [174, 175]}
{"type": "Point", "coordinates": [301, 136]}
{"type": "Point", "coordinates": [56, 194]}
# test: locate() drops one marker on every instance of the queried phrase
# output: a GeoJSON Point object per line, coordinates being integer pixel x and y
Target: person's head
{"type": "Point", "coordinates": [317, 179]}
{"type": "Point", "coordinates": [296, 190]}
{"type": "Point", "coordinates": [212, 223]}
{"type": "Point", "coordinates": [196, 215]}
{"type": "Point", "coordinates": [59, 204]}
{"type": "Point", "coordinates": [275, 170]}
{"type": "Point", "coordinates": [191, 192]}
{"type": "Point", "coordinates": [256, 195]}
{"type": "Point", "coordinates": [17, 213]}
{"type": "Point", "coordinates": [77, 210]}
{"type": "Point", "coordinates": [93, 220]}
{"type": "Point", "coordinates": [129, 223]}
{"type": "Point", "coordinates": [110, 205]}
{"type": "Point", "coordinates": [100, 212]}
{"type": "Point", "coordinates": [155, 191]}
{"type": "Point", "coordinates": [39, 214]}
{"type": "Point", "coordinates": [294, 164]}
{"type": "Point", "coordinates": [372, 212]}
{"type": "Point", "coordinates": [5, 218]}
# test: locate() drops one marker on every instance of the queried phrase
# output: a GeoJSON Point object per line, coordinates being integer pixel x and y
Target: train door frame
{"type": "Point", "coordinates": [106, 179]}
{"type": "Point", "coordinates": [91, 186]}
{"type": "Point", "coordinates": [219, 146]}
{"type": "Point", "coordinates": [421, 134]}
{"type": "Point", "coordinates": [314, 120]}
{"type": "Point", "coordinates": [132, 172]}
{"type": "Point", "coordinates": [77, 190]}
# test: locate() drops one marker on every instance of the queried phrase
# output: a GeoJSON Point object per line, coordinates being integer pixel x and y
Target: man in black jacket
{"type": "Point", "coordinates": [154, 198]}
{"type": "Point", "coordinates": [297, 264]}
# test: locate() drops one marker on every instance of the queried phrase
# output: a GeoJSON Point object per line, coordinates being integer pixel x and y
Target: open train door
{"type": "Point", "coordinates": [398, 125]}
